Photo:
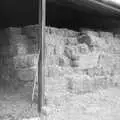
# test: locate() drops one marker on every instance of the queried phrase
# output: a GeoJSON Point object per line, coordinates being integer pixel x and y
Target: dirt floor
{"type": "Point", "coordinates": [15, 105]}
{"type": "Point", "coordinates": [100, 105]}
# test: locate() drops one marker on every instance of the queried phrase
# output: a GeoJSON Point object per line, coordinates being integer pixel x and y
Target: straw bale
{"type": "Point", "coordinates": [61, 32]}
{"type": "Point", "coordinates": [79, 84]}
{"type": "Point", "coordinates": [13, 31]}
{"type": "Point", "coordinates": [83, 48]}
{"type": "Point", "coordinates": [107, 61]}
{"type": "Point", "coordinates": [86, 61]}
{"type": "Point", "coordinates": [26, 75]}
{"type": "Point", "coordinates": [25, 61]}
{"type": "Point", "coordinates": [70, 40]}
{"type": "Point", "coordinates": [31, 30]}
{"type": "Point", "coordinates": [71, 52]}
{"type": "Point", "coordinates": [5, 50]}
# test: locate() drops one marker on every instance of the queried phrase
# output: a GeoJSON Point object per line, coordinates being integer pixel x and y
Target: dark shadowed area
{"type": "Point", "coordinates": [59, 14]}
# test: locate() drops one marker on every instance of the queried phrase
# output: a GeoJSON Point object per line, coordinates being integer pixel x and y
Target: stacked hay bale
{"type": "Point", "coordinates": [32, 32]}
{"type": "Point", "coordinates": [99, 63]}
{"type": "Point", "coordinates": [15, 65]}
{"type": "Point", "coordinates": [87, 60]}
{"type": "Point", "coordinates": [75, 63]}
{"type": "Point", "coordinates": [18, 45]}
{"type": "Point", "coordinates": [7, 74]}
{"type": "Point", "coordinates": [79, 64]}
{"type": "Point", "coordinates": [24, 55]}
{"type": "Point", "coordinates": [92, 57]}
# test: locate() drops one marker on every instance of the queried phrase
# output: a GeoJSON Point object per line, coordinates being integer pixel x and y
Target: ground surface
{"type": "Point", "coordinates": [102, 105]}
{"type": "Point", "coordinates": [16, 105]}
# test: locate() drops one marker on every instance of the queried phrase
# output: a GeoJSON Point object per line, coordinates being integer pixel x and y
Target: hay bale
{"type": "Point", "coordinates": [26, 75]}
{"type": "Point", "coordinates": [5, 50]}
{"type": "Point", "coordinates": [107, 61]}
{"type": "Point", "coordinates": [106, 35]}
{"type": "Point", "coordinates": [61, 32]}
{"type": "Point", "coordinates": [86, 61]}
{"type": "Point", "coordinates": [50, 50]}
{"type": "Point", "coordinates": [102, 82]}
{"type": "Point", "coordinates": [31, 30]}
{"type": "Point", "coordinates": [89, 32]}
{"type": "Point", "coordinates": [95, 71]}
{"type": "Point", "coordinates": [116, 80]}
{"type": "Point", "coordinates": [59, 50]}
{"type": "Point", "coordinates": [13, 31]}
{"type": "Point", "coordinates": [52, 60]}
{"type": "Point", "coordinates": [50, 40]}
{"type": "Point", "coordinates": [71, 41]}
{"type": "Point", "coordinates": [83, 48]}
{"type": "Point", "coordinates": [25, 61]}
{"type": "Point", "coordinates": [59, 88]}
{"type": "Point", "coordinates": [79, 84]}
{"type": "Point", "coordinates": [8, 75]}
{"type": "Point", "coordinates": [53, 71]}
{"type": "Point", "coordinates": [71, 52]}
{"type": "Point", "coordinates": [63, 61]}
{"type": "Point", "coordinates": [6, 60]}
{"type": "Point", "coordinates": [18, 45]}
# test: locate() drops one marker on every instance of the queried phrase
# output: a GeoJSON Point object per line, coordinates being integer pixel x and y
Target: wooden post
{"type": "Point", "coordinates": [41, 37]}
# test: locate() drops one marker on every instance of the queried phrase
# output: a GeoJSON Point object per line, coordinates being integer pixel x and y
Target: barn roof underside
{"type": "Point", "coordinates": [25, 12]}
{"type": "Point", "coordinates": [92, 6]}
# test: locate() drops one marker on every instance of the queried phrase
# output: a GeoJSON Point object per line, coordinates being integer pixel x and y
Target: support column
{"type": "Point", "coordinates": [41, 64]}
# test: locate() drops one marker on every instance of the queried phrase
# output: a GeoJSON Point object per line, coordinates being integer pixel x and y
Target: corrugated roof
{"type": "Point", "coordinates": [105, 7]}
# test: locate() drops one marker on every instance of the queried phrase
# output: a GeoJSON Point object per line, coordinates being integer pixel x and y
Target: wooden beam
{"type": "Point", "coordinates": [41, 37]}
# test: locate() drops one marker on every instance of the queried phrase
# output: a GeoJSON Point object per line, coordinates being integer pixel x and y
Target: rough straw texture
{"type": "Point", "coordinates": [81, 69]}
{"type": "Point", "coordinates": [79, 64]}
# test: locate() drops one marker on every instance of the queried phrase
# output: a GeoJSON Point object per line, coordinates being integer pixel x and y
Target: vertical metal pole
{"type": "Point", "coordinates": [41, 37]}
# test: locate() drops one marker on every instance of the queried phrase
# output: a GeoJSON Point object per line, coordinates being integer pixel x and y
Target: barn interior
{"type": "Point", "coordinates": [76, 31]}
